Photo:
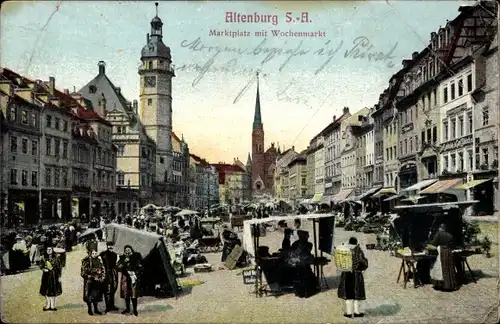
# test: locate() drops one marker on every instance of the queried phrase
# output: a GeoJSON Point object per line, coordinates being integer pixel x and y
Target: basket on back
{"type": "Point", "coordinates": [343, 258]}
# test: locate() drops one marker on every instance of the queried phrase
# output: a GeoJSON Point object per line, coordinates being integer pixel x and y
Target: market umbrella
{"type": "Point", "coordinates": [186, 212]}
{"type": "Point", "coordinates": [149, 206]}
{"type": "Point", "coordinates": [88, 234]}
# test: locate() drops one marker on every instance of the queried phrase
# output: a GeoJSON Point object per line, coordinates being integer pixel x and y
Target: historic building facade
{"type": "Point", "coordinates": [281, 173]}
{"type": "Point", "coordinates": [315, 172]}
{"type": "Point", "coordinates": [263, 162]}
{"type": "Point", "coordinates": [297, 185]}
{"type": "Point", "coordinates": [333, 172]}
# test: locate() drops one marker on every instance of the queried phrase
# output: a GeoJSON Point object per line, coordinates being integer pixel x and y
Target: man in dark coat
{"type": "Point", "coordinates": [352, 284]}
{"type": "Point", "coordinates": [109, 259]}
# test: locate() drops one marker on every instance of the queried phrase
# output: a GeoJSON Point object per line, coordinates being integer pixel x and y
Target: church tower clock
{"type": "Point", "coordinates": [155, 106]}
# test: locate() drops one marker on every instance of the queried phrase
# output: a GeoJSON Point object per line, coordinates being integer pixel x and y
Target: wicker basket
{"type": "Point", "coordinates": [343, 259]}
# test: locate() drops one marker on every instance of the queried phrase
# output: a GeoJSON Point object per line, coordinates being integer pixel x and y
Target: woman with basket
{"type": "Point", "coordinates": [351, 260]}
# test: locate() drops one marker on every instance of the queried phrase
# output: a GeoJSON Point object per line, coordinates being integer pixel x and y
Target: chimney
{"type": "Point", "coordinates": [135, 106]}
{"type": "Point", "coordinates": [433, 35]}
{"type": "Point", "coordinates": [102, 67]}
{"type": "Point", "coordinates": [334, 118]}
{"type": "Point", "coordinates": [414, 55]}
{"type": "Point", "coordinates": [346, 110]}
{"type": "Point", "coordinates": [147, 38]}
{"type": "Point", "coordinates": [52, 85]}
{"type": "Point", "coordinates": [119, 90]}
{"type": "Point", "coordinates": [406, 63]}
{"type": "Point", "coordinates": [66, 91]}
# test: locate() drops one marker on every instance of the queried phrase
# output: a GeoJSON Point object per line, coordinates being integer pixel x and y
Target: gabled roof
{"type": "Point", "coordinates": [224, 168]}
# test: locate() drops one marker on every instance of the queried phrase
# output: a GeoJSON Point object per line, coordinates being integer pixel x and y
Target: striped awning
{"type": "Point", "coordinates": [385, 192]}
{"type": "Point", "coordinates": [342, 195]}
{"type": "Point", "coordinates": [441, 186]}
{"type": "Point", "coordinates": [420, 185]}
{"type": "Point", "coordinates": [472, 184]}
{"type": "Point", "coordinates": [368, 193]}
{"type": "Point", "coordinates": [316, 198]}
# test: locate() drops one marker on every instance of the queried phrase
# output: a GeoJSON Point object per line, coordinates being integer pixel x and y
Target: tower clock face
{"type": "Point", "coordinates": [150, 81]}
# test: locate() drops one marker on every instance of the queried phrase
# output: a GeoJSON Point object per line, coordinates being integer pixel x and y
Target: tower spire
{"type": "Point", "coordinates": [257, 119]}
{"type": "Point", "coordinates": [156, 4]}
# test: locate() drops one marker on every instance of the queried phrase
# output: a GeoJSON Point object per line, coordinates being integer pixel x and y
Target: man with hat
{"type": "Point", "coordinates": [109, 259]}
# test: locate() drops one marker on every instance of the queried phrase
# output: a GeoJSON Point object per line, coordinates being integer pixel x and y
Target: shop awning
{"type": "Point", "coordinates": [326, 199]}
{"type": "Point", "coordinates": [420, 185]}
{"type": "Point", "coordinates": [369, 193]}
{"type": "Point", "coordinates": [316, 198]}
{"type": "Point", "coordinates": [342, 195]}
{"type": "Point", "coordinates": [306, 201]}
{"type": "Point", "coordinates": [413, 199]}
{"type": "Point", "coordinates": [472, 184]}
{"type": "Point", "coordinates": [441, 186]}
{"type": "Point", "coordinates": [385, 192]}
{"type": "Point", "coordinates": [393, 198]}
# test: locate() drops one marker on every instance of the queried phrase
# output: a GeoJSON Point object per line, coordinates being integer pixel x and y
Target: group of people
{"type": "Point", "coordinates": [100, 278]}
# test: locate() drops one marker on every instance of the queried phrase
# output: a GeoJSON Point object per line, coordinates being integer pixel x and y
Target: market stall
{"type": "Point", "coordinates": [416, 225]}
{"type": "Point", "coordinates": [323, 241]}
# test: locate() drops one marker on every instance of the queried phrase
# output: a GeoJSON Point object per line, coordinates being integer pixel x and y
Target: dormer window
{"type": "Point", "coordinates": [92, 89]}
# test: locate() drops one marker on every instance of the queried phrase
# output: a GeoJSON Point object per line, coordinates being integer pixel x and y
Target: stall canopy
{"type": "Point", "coordinates": [441, 186]}
{"type": "Point", "coordinates": [471, 184]}
{"type": "Point", "coordinates": [439, 206]}
{"type": "Point", "coordinates": [186, 212]}
{"type": "Point", "coordinates": [394, 198]}
{"type": "Point", "coordinates": [326, 200]}
{"type": "Point", "coordinates": [420, 185]}
{"type": "Point", "coordinates": [369, 193]}
{"type": "Point", "coordinates": [384, 192]}
{"type": "Point", "coordinates": [316, 198]}
{"type": "Point", "coordinates": [248, 243]}
{"type": "Point", "coordinates": [157, 267]}
{"type": "Point", "coordinates": [342, 195]}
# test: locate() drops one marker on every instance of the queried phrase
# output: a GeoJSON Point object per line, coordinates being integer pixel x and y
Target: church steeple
{"type": "Point", "coordinates": [257, 119]}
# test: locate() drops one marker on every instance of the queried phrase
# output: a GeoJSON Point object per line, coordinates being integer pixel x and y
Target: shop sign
{"type": "Point", "coordinates": [249, 276]}
{"type": "Point", "coordinates": [457, 143]}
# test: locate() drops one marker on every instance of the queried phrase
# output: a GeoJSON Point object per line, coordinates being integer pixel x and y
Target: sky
{"type": "Point", "coordinates": [304, 81]}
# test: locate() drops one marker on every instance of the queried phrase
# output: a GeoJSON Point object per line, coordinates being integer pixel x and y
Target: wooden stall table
{"type": "Point", "coordinates": [408, 265]}
{"type": "Point", "coordinates": [462, 256]}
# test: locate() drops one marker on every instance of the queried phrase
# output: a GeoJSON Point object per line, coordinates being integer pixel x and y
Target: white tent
{"type": "Point", "coordinates": [248, 243]}
{"type": "Point", "coordinates": [186, 212]}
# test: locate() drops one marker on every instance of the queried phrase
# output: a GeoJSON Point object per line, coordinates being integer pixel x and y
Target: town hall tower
{"type": "Point", "coordinates": [155, 98]}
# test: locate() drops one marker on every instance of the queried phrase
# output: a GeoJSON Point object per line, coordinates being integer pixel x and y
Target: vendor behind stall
{"type": "Point", "coordinates": [443, 272]}
{"type": "Point", "coordinates": [306, 284]}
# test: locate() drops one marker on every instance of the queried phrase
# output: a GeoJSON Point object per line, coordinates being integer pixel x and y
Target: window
{"type": "Point", "coordinates": [445, 130]}
{"type": "Point", "coordinates": [65, 149]}
{"type": "Point", "coordinates": [434, 134]}
{"type": "Point", "coordinates": [65, 177]}
{"type": "Point", "coordinates": [406, 146]}
{"type": "Point", "coordinates": [453, 162]}
{"type": "Point", "coordinates": [121, 150]}
{"type": "Point", "coordinates": [13, 176]}
{"type": "Point", "coordinates": [435, 97]}
{"type": "Point", "coordinates": [461, 161]}
{"type": "Point", "coordinates": [34, 147]}
{"type": "Point", "coordinates": [486, 116]}
{"type": "Point", "coordinates": [470, 164]}
{"type": "Point", "coordinates": [24, 145]}
{"type": "Point", "coordinates": [150, 65]}
{"type": "Point", "coordinates": [57, 123]}
{"type": "Point", "coordinates": [24, 117]}
{"type": "Point", "coordinates": [485, 157]}
{"type": "Point", "coordinates": [446, 162]}
{"type": "Point", "coordinates": [411, 145]}
{"type": "Point", "coordinates": [150, 102]}
{"type": "Point", "coordinates": [478, 157]}
{"type": "Point", "coordinates": [48, 120]}
{"type": "Point", "coordinates": [13, 113]}
{"type": "Point", "coordinates": [469, 83]}
{"type": "Point", "coordinates": [34, 178]}
{"type": "Point", "coordinates": [429, 103]}
{"type": "Point", "coordinates": [452, 91]}
{"type": "Point", "coordinates": [423, 137]}
{"type": "Point", "coordinates": [65, 126]}
{"type": "Point", "coordinates": [445, 95]}
{"type": "Point", "coordinates": [460, 87]}
{"type": "Point", "coordinates": [48, 146]}
{"type": "Point", "coordinates": [33, 119]}
{"type": "Point", "coordinates": [57, 177]}
{"type": "Point", "coordinates": [460, 131]}
{"type": "Point", "coordinates": [453, 128]}
{"type": "Point", "coordinates": [48, 176]}
{"type": "Point", "coordinates": [92, 89]}
{"type": "Point", "coordinates": [429, 135]}
{"type": "Point", "coordinates": [57, 147]}
{"type": "Point", "coordinates": [469, 123]}
{"type": "Point", "coordinates": [13, 144]}
{"type": "Point", "coordinates": [24, 178]}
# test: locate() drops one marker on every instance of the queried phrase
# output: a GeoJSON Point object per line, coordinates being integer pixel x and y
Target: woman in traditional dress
{"type": "Point", "coordinates": [93, 274]}
{"type": "Point", "coordinates": [443, 272]}
{"type": "Point", "coordinates": [50, 286]}
{"type": "Point", "coordinates": [130, 266]}
{"type": "Point", "coordinates": [352, 283]}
